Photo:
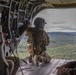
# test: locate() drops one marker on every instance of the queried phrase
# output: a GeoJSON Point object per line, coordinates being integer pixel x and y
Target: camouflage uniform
{"type": "Point", "coordinates": [39, 39]}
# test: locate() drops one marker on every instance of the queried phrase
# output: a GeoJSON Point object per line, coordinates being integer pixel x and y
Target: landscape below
{"type": "Point", "coordinates": [62, 45]}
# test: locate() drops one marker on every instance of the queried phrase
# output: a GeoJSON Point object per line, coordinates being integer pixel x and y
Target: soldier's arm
{"type": "Point", "coordinates": [46, 38]}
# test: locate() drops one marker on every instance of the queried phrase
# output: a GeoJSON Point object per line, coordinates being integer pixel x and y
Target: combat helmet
{"type": "Point", "coordinates": [39, 22]}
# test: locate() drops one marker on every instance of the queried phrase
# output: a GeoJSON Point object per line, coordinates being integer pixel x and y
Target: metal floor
{"type": "Point", "coordinates": [43, 69]}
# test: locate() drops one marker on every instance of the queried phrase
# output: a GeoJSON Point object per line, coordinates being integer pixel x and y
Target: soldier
{"type": "Point", "coordinates": [38, 38]}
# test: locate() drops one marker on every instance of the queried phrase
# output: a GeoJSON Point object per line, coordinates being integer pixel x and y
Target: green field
{"type": "Point", "coordinates": [60, 47]}
{"type": "Point", "coordinates": [64, 52]}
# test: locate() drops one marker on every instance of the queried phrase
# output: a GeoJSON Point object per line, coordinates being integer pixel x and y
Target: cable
{"type": "Point", "coordinates": [18, 61]}
{"type": "Point", "coordinates": [15, 42]}
{"type": "Point", "coordinates": [12, 62]}
{"type": "Point", "coordinates": [14, 38]}
{"type": "Point", "coordinates": [17, 54]}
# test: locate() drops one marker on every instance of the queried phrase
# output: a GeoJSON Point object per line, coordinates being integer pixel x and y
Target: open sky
{"type": "Point", "coordinates": [59, 20]}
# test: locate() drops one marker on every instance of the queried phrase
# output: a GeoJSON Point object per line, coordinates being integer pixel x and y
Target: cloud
{"type": "Point", "coordinates": [61, 20]}
{"type": "Point", "coordinates": [60, 29]}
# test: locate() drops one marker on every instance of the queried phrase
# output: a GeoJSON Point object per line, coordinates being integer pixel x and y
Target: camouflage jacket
{"type": "Point", "coordinates": [39, 39]}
